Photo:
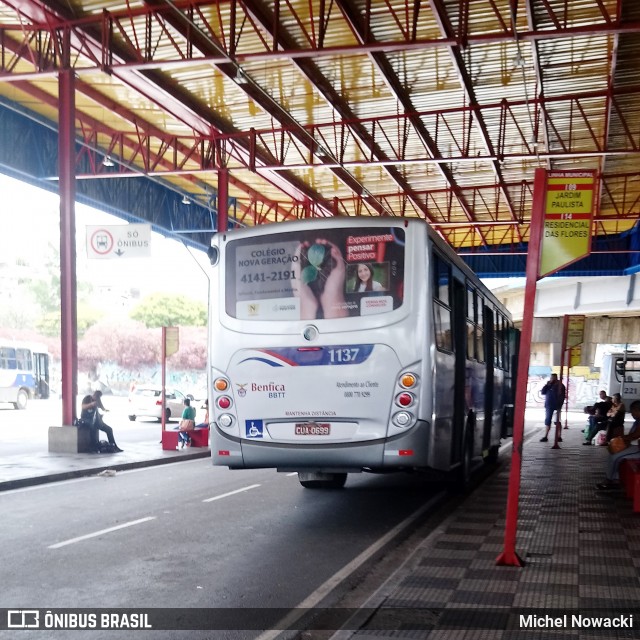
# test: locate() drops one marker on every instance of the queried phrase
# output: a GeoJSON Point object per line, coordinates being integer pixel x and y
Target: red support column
{"type": "Point", "coordinates": [509, 555]}
{"type": "Point", "coordinates": [223, 199]}
{"type": "Point", "coordinates": [67, 190]}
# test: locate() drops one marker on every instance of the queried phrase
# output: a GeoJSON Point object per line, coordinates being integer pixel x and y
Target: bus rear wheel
{"type": "Point", "coordinates": [311, 480]}
{"type": "Point", "coordinates": [21, 400]}
{"type": "Point", "coordinates": [462, 480]}
{"type": "Point", "coordinates": [492, 455]}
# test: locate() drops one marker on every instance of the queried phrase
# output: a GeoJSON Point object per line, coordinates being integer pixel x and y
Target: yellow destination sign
{"type": "Point", "coordinates": [575, 356]}
{"type": "Point", "coordinates": [568, 214]}
{"type": "Point", "coordinates": [575, 331]}
{"type": "Point", "coordinates": [172, 340]}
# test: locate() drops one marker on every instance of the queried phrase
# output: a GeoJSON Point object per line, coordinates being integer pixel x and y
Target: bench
{"type": "Point", "coordinates": [630, 480]}
{"type": "Point", "coordinates": [69, 439]}
{"type": "Point", "coordinates": [199, 438]}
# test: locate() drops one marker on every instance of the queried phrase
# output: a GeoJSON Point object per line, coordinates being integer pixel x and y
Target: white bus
{"type": "Point", "coordinates": [24, 372]}
{"type": "Point", "coordinates": [620, 373]}
{"type": "Point", "coordinates": [346, 345]}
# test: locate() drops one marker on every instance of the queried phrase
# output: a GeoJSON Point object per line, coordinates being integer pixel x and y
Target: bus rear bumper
{"type": "Point", "coordinates": [406, 451]}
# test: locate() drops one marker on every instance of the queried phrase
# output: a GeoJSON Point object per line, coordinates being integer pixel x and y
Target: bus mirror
{"type": "Point", "coordinates": [213, 254]}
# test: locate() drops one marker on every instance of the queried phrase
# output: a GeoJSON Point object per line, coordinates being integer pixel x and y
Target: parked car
{"type": "Point", "coordinates": [198, 397]}
{"type": "Point", "coordinates": [146, 401]}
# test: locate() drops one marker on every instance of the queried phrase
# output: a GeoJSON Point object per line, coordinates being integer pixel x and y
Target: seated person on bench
{"type": "Point", "coordinates": [614, 459]}
{"type": "Point", "coordinates": [597, 416]}
{"type": "Point", "coordinates": [92, 418]}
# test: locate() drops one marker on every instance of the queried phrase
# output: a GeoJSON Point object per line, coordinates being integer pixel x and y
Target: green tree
{"type": "Point", "coordinates": [163, 310]}
{"type": "Point", "coordinates": [46, 292]}
{"type": "Point", "coordinates": [86, 317]}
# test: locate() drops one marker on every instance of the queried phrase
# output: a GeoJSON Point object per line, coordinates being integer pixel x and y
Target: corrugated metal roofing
{"type": "Point", "coordinates": [440, 110]}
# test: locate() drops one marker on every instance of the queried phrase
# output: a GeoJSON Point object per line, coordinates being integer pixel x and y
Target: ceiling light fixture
{"type": "Point", "coordinates": [518, 60]}
{"type": "Point", "coordinates": [107, 162]}
{"type": "Point", "coordinates": [240, 76]}
{"type": "Point", "coordinates": [185, 200]}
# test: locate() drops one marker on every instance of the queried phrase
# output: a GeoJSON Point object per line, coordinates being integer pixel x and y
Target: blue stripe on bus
{"type": "Point", "coordinates": [312, 357]}
{"type": "Point", "coordinates": [269, 362]}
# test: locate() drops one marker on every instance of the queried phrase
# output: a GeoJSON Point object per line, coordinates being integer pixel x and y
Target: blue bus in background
{"type": "Point", "coordinates": [24, 372]}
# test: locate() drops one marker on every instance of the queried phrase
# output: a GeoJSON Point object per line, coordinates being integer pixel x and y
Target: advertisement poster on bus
{"type": "Point", "coordinates": [309, 275]}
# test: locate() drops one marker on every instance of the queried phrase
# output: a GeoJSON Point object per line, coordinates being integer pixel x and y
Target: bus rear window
{"type": "Point", "coordinates": [320, 273]}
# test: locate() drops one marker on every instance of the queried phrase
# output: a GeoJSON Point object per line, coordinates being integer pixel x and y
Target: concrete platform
{"type": "Point", "coordinates": [580, 547]}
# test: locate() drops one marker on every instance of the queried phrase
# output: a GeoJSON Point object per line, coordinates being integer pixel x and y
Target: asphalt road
{"type": "Point", "coordinates": [191, 535]}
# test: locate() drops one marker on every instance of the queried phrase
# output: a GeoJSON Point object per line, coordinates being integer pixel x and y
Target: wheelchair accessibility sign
{"type": "Point", "coordinates": [254, 428]}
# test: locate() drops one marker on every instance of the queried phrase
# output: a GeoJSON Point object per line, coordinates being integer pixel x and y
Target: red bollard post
{"type": "Point", "coordinates": [558, 436]}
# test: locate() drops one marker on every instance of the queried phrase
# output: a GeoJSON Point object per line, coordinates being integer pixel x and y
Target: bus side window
{"type": "Point", "coordinates": [479, 330]}
{"type": "Point", "coordinates": [441, 303]}
{"type": "Point", "coordinates": [471, 324]}
{"type": "Point", "coordinates": [442, 319]}
{"type": "Point", "coordinates": [24, 360]}
{"type": "Point", "coordinates": [8, 358]}
{"type": "Point", "coordinates": [633, 371]}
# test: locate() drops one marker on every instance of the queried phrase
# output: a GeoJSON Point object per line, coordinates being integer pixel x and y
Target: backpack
{"type": "Point", "coordinates": [600, 439]}
{"type": "Point", "coordinates": [106, 447]}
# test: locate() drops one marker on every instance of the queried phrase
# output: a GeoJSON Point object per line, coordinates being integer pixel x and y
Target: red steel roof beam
{"type": "Point", "coordinates": [116, 108]}
{"type": "Point", "coordinates": [185, 56]}
{"type": "Point", "coordinates": [361, 31]}
{"type": "Point", "coordinates": [535, 56]}
{"type": "Point", "coordinates": [440, 13]}
{"type": "Point", "coordinates": [333, 98]}
{"type": "Point", "coordinates": [271, 107]}
{"type": "Point", "coordinates": [153, 86]}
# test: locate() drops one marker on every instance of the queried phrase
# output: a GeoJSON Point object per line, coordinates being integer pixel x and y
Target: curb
{"type": "Point", "coordinates": [19, 483]}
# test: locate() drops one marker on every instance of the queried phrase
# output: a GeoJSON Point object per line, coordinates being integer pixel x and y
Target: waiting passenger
{"type": "Point", "coordinates": [187, 424]}
{"type": "Point", "coordinates": [615, 418]}
{"type": "Point", "coordinates": [630, 453]}
{"type": "Point", "coordinates": [90, 415]}
{"type": "Point", "coordinates": [597, 416]}
{"type": "Point", "coordinates": [554, 393]}
{"type": "Point", "coordinates": [205, 424]}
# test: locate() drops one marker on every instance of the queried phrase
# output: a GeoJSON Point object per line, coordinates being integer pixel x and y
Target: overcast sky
{"type": "Point", "coordinates": [31, 219]}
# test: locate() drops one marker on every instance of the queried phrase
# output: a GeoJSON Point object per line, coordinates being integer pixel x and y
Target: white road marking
{"type": "Point", "coordinates": [323, 590]}
{"type": "Point", "coordinates": [102, 531]}
{"type": "Point", "coordinates": [225, 495]}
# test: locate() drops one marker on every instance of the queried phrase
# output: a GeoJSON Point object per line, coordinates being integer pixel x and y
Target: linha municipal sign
{"type": "Point", "coordinates": [119, 241]}
{"type": "Point", "coordinates": [568, 214]}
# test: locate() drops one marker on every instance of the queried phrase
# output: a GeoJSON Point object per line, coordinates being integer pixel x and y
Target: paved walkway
{"type": "Point", "coordinates": [580, 546]}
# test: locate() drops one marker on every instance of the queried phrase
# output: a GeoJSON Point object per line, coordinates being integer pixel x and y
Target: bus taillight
{"type": "Point", "coordinates": [404, 399]}
{"type": "Point", "coordinates": [408, 380]}
{"type": "Point", "coordinates": [221, 384]}
{"type": "Point", "coordinates": [224, 402]}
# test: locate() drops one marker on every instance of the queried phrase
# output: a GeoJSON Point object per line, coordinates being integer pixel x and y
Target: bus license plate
{"type": "Point", "coordinates": [312, 429]}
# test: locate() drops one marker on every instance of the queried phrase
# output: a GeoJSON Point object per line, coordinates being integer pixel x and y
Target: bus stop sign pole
{"type": "Point", "coordinates": [560, 234]}
{"type": "Point", "coordinates": [509, 557]}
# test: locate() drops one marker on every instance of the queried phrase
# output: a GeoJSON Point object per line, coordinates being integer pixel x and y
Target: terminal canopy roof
{"type": "Point", "coordinates": [440, 109]}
